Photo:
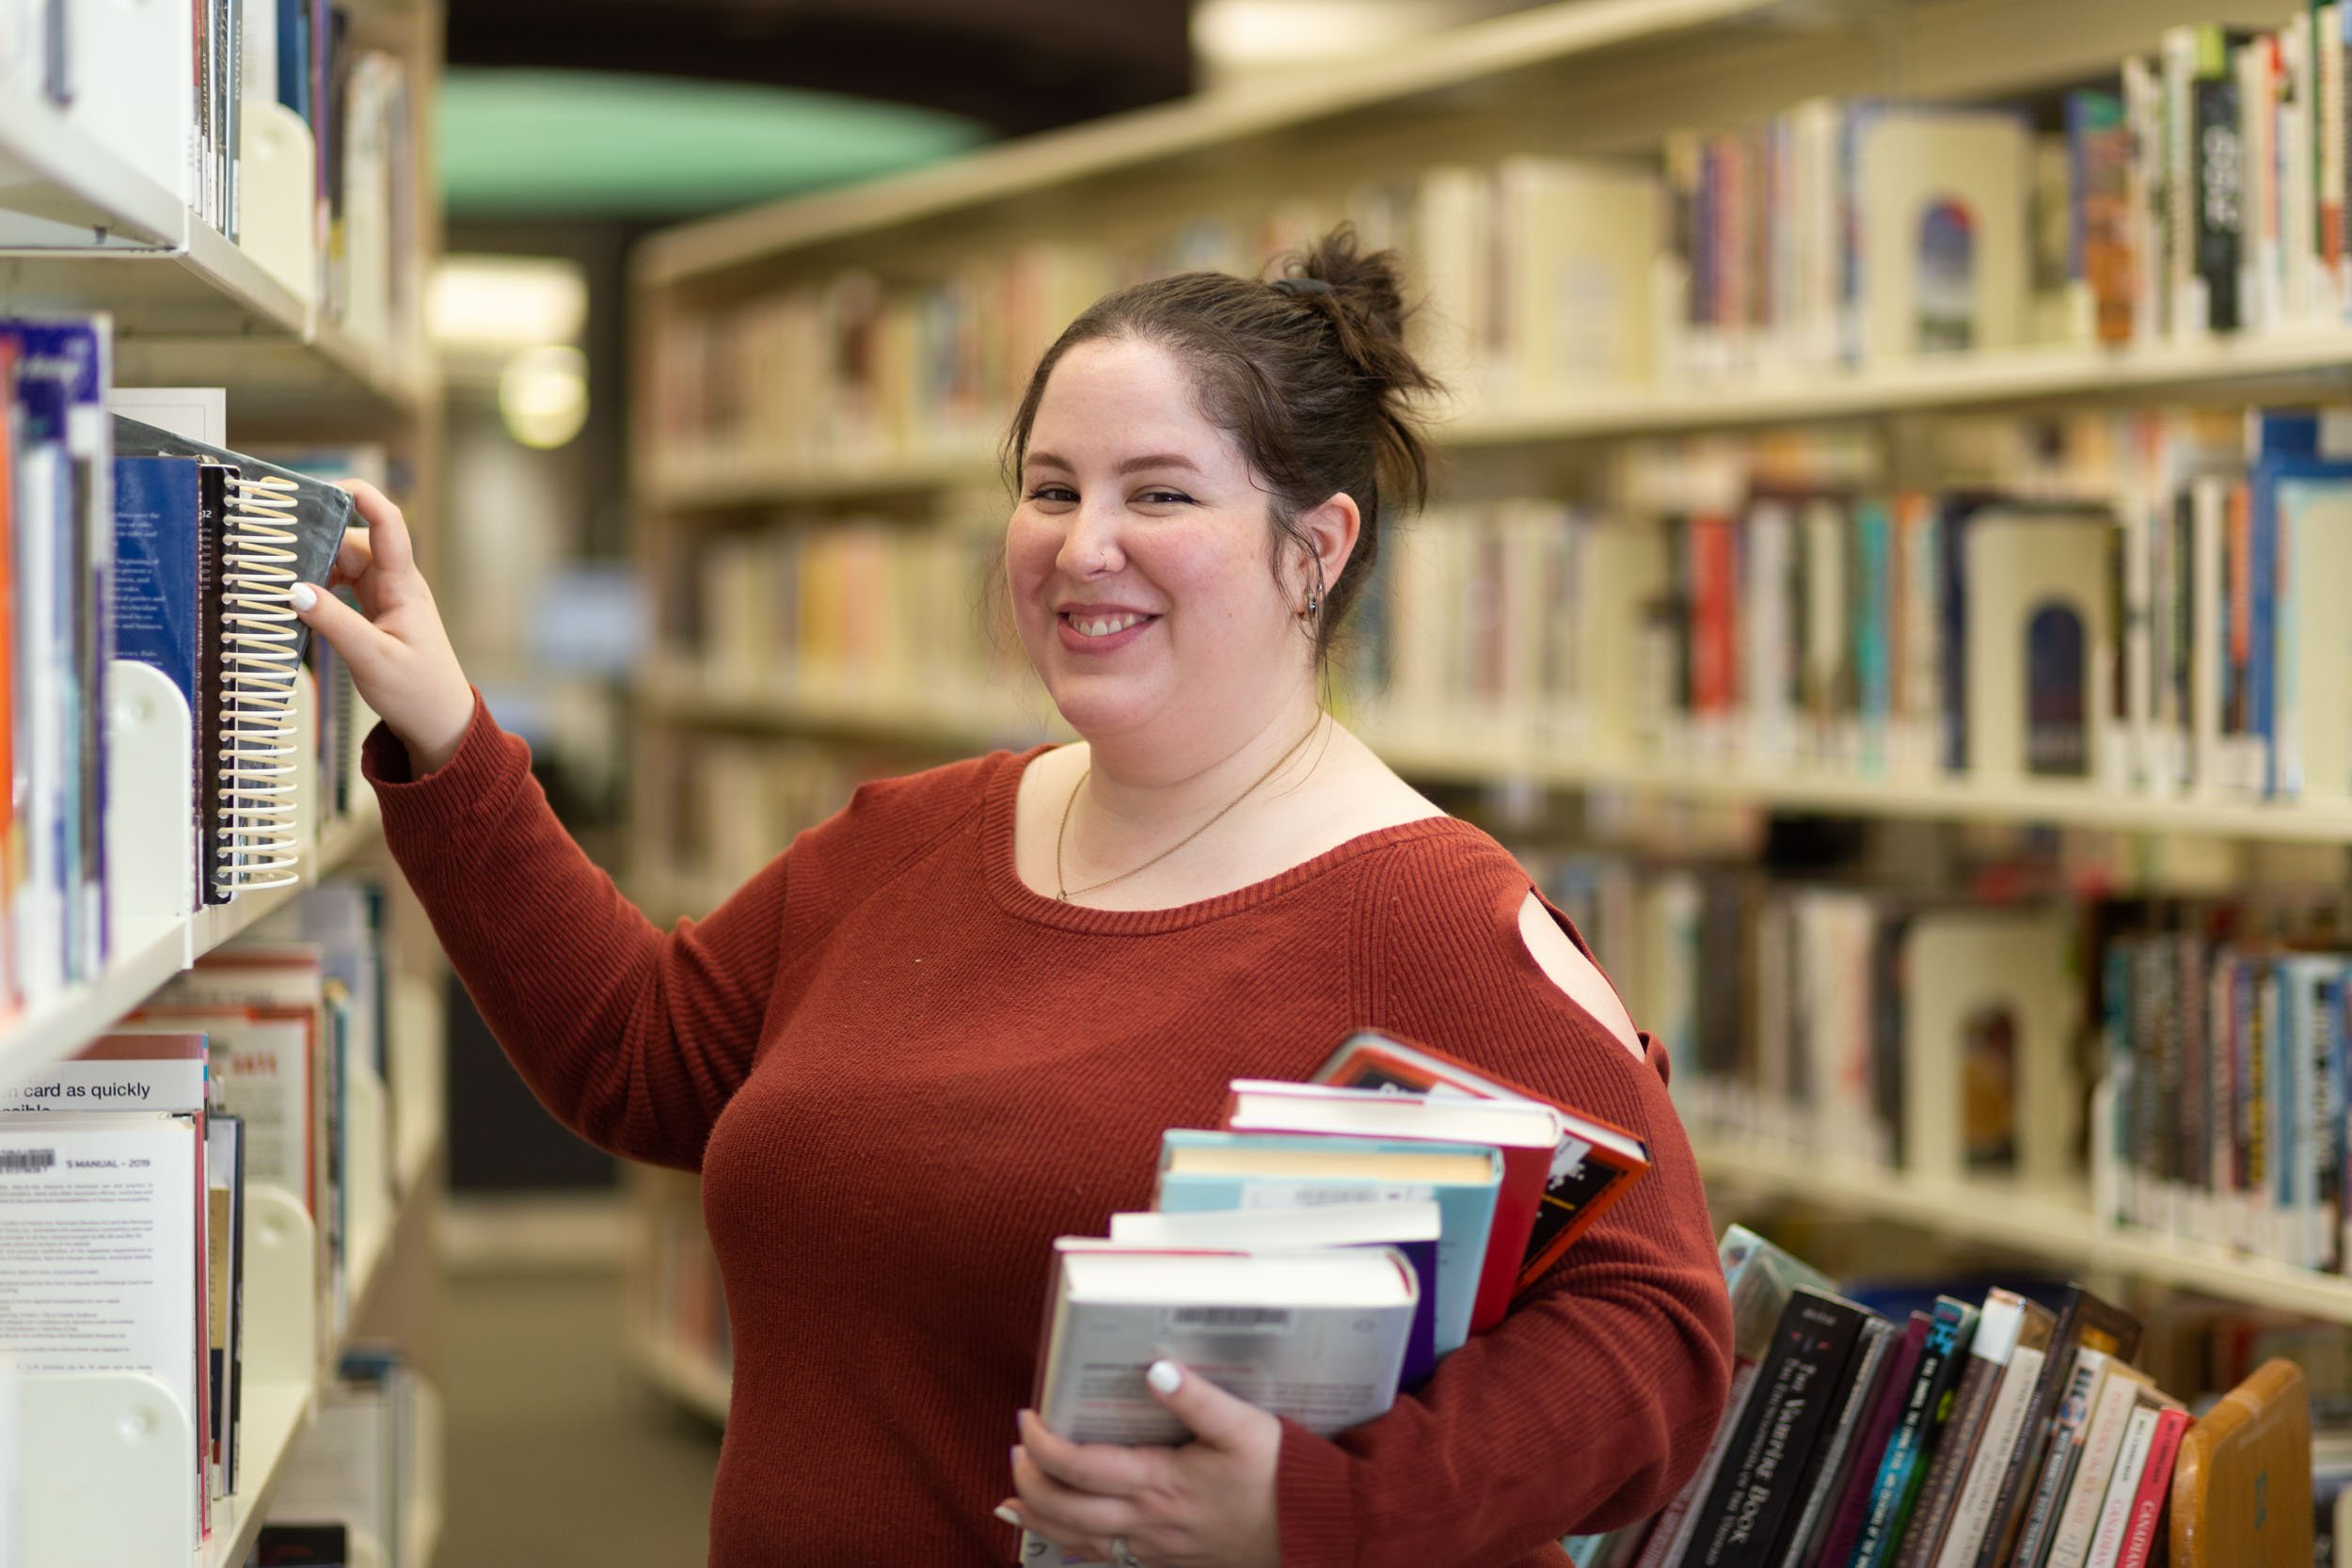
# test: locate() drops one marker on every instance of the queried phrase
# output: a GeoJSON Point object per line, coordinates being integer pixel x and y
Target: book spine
{"type": "Point", "coordinates": [2115, 1512]}
{"type": "Point", "coordinates": [2155, 1487]}
{"type": "Point", "coordinates": [1939, 1494]}
{"type": "Point", "coordinates": [1826, 1480]}
{"type": "Point", "coordinates": [1852, 1511]}
{"type": "Point", "coordinates": [2065, 1449]}
{"type": "Point", "coordinates": [1969, 1531]}
{"type": "Point", "coordinates": [1925, 1406]}
{"type": "Point", "coordinates": [2220, 172]}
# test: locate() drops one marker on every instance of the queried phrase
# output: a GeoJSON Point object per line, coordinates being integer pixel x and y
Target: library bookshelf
{"type": "Point", "coordinates": [86, 228]}
{"type": "Point", "coordinates": [1606, 78]}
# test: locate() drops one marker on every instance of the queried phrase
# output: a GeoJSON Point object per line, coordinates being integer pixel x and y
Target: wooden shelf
{"type": "Point", "coordinates": [686, 479]}
{"type": "Point", "coordinates": [2053, 1223]}
{"type": "Point", "coordinates": [151, 951]}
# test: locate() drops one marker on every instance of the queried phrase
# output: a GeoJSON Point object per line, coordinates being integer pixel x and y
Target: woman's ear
{"type": "Point", "coordinates": [1330, 531]}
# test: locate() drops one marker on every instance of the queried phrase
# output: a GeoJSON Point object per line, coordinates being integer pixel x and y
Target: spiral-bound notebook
{"type": "Point", "coordinates": [226, 536]}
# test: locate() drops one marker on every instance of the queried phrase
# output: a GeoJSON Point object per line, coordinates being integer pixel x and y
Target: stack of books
{"type": "Point", "coordinates": [1292, 1250]}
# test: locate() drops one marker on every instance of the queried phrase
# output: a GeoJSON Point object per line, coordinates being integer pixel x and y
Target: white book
{"type": "Point", "coordinates": [1966, 965]}
{"type": "Point", "coordinates": [99, 1221]}
{"type": "Point", "coordinates": [1978, 1493]}
{"type": "Point", "coordinates": [1315, 1336]}
{"type": "Point", "coordinates": [1325, 1225]}
{"type": "Point", "coordinates": [2039, 642]}
{"type": "Point", "coordinates": [120, 1072]}
{"type": "Point", "coordinates": [2115, 1512]}
{"type": "Point", "coordinates": [2102, 1444]}
{"type": "Point", "coordinates": [2313, 657]}
{"type": "Point", "coordinates": [2209, 506]}
{"type": "Point", "coordinates": [1943, 202]}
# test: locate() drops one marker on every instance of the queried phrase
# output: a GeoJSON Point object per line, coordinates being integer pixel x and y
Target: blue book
{"type": "Point", "coordinates": [1926, 1404]}
{"type": "Point", "coordinates": [1281, 1170]}
{"type": "Point", "coordinates": [2285, 446]}
{"type": "Point", "coordinates": [158, 556]}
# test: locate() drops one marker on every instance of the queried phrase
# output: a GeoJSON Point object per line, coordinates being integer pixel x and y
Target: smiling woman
{"type": "Point", "coordinates": [978, 996]}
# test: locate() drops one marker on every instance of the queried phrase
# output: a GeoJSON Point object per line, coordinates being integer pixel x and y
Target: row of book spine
{"type": "Point", "coordinates": [2160, 630]}
{"type": "Point", "coordinates": [2227, 1070]}
{"type": "Point", "coordinates": [2005, 1433]}
{"type": "Point", "coordinates": [265, 1065]}
{"type": "Point", "coordinates": [2199, 191]}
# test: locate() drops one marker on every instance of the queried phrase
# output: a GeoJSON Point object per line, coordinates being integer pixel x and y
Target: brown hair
{"type": "Point", "coordinates": [1308, 372]}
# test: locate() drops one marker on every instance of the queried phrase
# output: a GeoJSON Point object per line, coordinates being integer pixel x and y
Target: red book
{"type": "Point", "coordinates": [2155, 1490]}
{"type": "Point", "coordinates": [1593, 1165]}
{"type": "Point", "coordinates": [1526, 1133]}
{"type": "Point", "coordinates": [1715, 630]}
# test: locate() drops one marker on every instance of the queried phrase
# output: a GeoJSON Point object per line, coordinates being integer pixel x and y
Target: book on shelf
{"type": "Point", "coordinates": [2001, 1327]}
{"type": "Point", "coordinates": [1410, 1226]}
{"type": "Point", "coordinates": [351, 1479]}
{"type": "Point", "coordinates": [1592, 1165]}
{"type": "Point", "coordinates": [1263, 1171]}
{"type": "Point", "coordinates": [136, 1304]}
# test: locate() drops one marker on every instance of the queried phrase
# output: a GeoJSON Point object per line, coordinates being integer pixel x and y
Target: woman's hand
{"type": "Point", "coordinates": [1209, 1504]}
{"type": "Point", "coordinates": [399, 650]}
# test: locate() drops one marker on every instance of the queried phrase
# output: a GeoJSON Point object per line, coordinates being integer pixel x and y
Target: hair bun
{"type": "Point", "coordinates": [1368, 285]}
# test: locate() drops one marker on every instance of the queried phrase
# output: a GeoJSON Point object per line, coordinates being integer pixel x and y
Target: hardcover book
{"type": "Point", "coordinates": [1593, 1166]}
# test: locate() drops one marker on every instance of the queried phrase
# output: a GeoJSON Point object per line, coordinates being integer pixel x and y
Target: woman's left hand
{"type": "Point", "coordinates": [1208, 1504]}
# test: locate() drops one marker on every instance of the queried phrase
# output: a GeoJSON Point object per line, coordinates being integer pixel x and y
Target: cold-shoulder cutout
{"type": "Point", "coordinates": [1577, 975]}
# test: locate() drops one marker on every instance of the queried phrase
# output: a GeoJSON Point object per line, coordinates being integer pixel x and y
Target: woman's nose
{"type": "Point", "coordinates": [1089, 546]}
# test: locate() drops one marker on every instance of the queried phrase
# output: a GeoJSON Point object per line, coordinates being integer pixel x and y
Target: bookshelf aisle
{"type": "Point", "coordinates": [166, 184]}
{"type": "Point", "coordinates": [1575, 633]}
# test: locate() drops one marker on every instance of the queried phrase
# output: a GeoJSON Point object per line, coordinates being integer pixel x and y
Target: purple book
{"type": "Point", "coordinates": [1853, 1509]}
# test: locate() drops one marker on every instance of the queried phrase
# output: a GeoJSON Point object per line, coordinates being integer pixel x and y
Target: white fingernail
{"type": "Point", "coordinates": [304, 597]}
{"type": "Point", "coordinates": [1165, 1376]}
{"type": "Point", "coordinates": [1009, 1516]}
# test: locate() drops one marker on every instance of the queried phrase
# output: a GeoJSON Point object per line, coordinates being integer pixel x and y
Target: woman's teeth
{"type": "Point", "coordinates": [1105, 626]}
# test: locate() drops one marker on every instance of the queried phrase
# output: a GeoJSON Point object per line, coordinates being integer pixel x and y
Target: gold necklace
{"type": "Point", "coordinates": [1068, 892]}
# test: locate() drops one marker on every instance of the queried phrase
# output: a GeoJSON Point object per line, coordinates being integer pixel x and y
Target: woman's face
{"type": "Point", "coordinates": [1138, 556]}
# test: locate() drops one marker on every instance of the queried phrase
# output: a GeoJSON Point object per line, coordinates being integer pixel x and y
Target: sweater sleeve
{"type": "Point", "coordinates": [633, 1037]}
{"type": "Point", "coordinates": [1594, 1399]}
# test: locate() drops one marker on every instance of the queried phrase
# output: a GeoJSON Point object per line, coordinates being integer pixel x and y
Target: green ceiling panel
{"type": "Point", "coordinates": [547, 143]}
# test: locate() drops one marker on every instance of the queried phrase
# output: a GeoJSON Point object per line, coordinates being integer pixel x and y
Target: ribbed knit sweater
{"type": "Point", "coordinates": [902, 1073]}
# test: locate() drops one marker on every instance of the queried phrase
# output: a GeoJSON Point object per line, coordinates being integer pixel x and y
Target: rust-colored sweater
{"type": "Point", "coordinates": [902, 1074]}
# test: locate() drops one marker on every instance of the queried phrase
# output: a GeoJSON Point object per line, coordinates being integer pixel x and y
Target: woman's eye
{"type": "Point", "coordinates": [1052, 493]}
{"type": "Point", "coordinates": [1163, 497]}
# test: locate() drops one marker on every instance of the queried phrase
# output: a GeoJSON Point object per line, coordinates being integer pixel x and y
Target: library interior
{"type": "Point", "coordinates": [689, 990]}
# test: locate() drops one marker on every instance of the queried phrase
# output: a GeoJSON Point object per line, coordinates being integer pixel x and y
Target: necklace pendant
{"type": "Point", "coordinates": [1062, 897]}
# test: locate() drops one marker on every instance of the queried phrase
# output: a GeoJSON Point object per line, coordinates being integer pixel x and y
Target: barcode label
{"type": "Point", "coordinates": [28, 1160]}
{"type": "Point", "coordinates": [1232, 1319]}
{"type": "Point", "coordinates": [1319, 1194]}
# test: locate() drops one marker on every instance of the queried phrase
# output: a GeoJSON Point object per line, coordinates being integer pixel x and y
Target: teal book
{"type": "Point", "coordinates": [1926, 1402]}
{"type": "Point", "coordinates": [1283, 1170]}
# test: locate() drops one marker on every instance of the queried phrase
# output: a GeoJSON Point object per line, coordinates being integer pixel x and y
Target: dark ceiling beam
{"type": "Point", "coordinates": [1015, 66]}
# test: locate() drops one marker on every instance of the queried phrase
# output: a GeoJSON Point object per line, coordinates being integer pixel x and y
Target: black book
{"type": "Point", "coordinates": [1798, 1385]}
{"type": "Point", "coordinates": [1902, 1466]}
{"type": "Point", "coordinates": [1833, 1456]}
{"type": "Point", "coordinates": [2084, 1322]}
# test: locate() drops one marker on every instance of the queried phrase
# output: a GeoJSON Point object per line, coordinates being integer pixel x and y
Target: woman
{"type": "Point", "coordinates": [951, 1022]}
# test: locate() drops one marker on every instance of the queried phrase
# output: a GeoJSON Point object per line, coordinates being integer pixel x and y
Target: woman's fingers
{"type": "Point", "coordinates": [1063, 1510]}
{"type": "Point", "coordinates": [1101, 1469]}
{"type": "Point", "coordinates": [361, 644]}
{"type": "Point", "coordinates": [388, 530]}
{"type": "Point", "coordinates": [354, 558]}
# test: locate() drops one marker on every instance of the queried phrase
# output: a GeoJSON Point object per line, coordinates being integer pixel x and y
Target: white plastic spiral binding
{"type": "Point", "coordinates": [259, 669]}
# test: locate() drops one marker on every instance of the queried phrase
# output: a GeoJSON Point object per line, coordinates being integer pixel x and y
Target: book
{"type": "Point", "coordinates": [1411, 1226]}
{"type": "Point", "coordinates": [2102, 1449]}
{"type": "Point", "coordinates": [1926, 1404]}
{"type": "Point", "coordinates": [1995, 1440]}
{"type": "Point", "coordinates": [1833, 1457]}
{"type": "Point", "coordinates": [1999, 1322]}
{"type": "Point", "coordinates": [1797, 1385]}
{"type": "Point", "coordinates": [1316, 1336]}
{"type": "Point", "coordinates": [1594, 1165]}
{"type": "Point", "coordinates": [224, 1170]}
{"type": "Point", "coordinates": [2084, 1322]}
{"type": "Point", "coordinates": [2153, 1492]}
{"type": "Point", "coordinates": [2131, 1466]}
{"type": "Point", "coordinates": [2063, 1454]}
{"type": "Point", "coordinates": [283, 527]}
{"type": "Point", "coordinates": [1527, 1135]}
{"type": "Point", "coordinates": [134, 1305]}
{"type": "Point", "coordinates": [1851, 1510]}
{"type": "Point", "coordinates": [132, 1071]}
{"type": "Point", "coordinates": [1250, 1170]}
{"type": "Point", "coordinates": [1759, 1278]}
{"type": "Point", "coordinates": [1941, 194]}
